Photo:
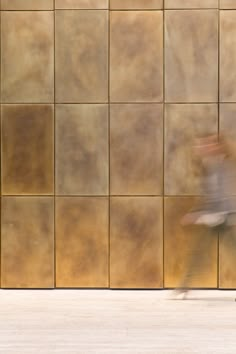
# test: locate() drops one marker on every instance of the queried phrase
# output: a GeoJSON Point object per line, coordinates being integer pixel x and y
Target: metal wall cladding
{"type": "Point", "coordinates": [100, 104]}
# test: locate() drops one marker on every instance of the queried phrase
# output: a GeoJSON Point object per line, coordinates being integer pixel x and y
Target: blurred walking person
{"type": "Point", "coordinates": [218, 207]}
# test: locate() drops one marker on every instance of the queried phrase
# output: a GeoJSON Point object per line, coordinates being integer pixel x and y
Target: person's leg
{"type": "Point", "coordinates": [198, 261]}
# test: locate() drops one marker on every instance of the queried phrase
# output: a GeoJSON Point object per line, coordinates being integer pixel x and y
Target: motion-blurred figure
{"type": "Point", "coordinates": [217, 209]}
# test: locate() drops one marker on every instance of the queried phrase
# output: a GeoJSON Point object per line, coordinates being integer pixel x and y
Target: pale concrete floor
{"type": "Point", "coordinates": [107, 322]}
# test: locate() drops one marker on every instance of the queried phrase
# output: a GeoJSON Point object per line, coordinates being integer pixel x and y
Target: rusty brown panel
{"type": "Point", "coordinates": [136, 242]}
{"type": "Point", "coordinates": [179, 243]}
{"type": "Point", "coordinates": [227, 119]}
{"type": "Point", "coordinates": [27, 149]}
{"type": "Point", "coordinates": [82, 149]}
{"type": "Point", "coordinates": [191, 56]}
{"type": "Point", "coordinates": [136, 4]}
{"type": "Point", "coordinates": [27, 4]}
{"type": "Point", "coordinates": [227, 56]}
{"type": "Point", "coordinates": [183, 124]}
{"type": "Point", "coordinates": [0, 54]}
{"type": "Point", "coordinates": [27, 242]}
{"type": "Point", "coordinates": [81, 4]}
{"type": "Point", "coordinates": [82, 56]}
{"type": "Point", "coordinates": [227, 126]}
{"type": "Point", "coordinates": [136, 149]}
{"type": "Point", "coordinates": [191, 4]}
{"type": "Point", "coordinates": [227, 4]}
{"type": "Point", "coordinates": [227, 261]}
{"type": "Point", "coordinates": [136, 56]}
{"type": "Point", "coordinates": [82, 242]}
{"type": "Point", "coordinates": [27, 57]}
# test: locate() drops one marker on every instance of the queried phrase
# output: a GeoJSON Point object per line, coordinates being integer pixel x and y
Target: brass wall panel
{"type": "Point", "coordinates": [183, 124]}
{"type": "Point", "coordinates": [136, 4]}
{"type": "Point", "coordinates": [81, 56]}
{"type": "Point", "coordinates": [27, 57]}
{"type": "Point", "coordinates": [82, 242]}
{"type": "Point", "coordinates": [81, 4]}
{"type": "Point", "coordinates": [82, 149]}
{"type": "Point", "coordinates": [27, 242]}
{"type": "Point", "coordinates": [136, 149]}
{"type": "Point", "coordinates": [227, 125]}
{"type": "Point", "coordinates": [227, 4]}
{"type": "Point", "coordinates": [27, 149]}
{"type": "Point", "coordinates": [27, 4]}
{"type": "Point", "coordinates": [227, 56]}
{"type": "Point", "coordinates": [227, 259]}
{"type": "Point", "coordinates": [136, 242]}
{"type": "Point", "coordinates": [191, 4]}
{"type": "Point", "coordinates": [191, 56]}
{"type": "Point", "coordinates": [227, 119]}
{"type": "Point", "coordinates": [179, 242]}
{"type": "Point", "coordinates": [136, 56]}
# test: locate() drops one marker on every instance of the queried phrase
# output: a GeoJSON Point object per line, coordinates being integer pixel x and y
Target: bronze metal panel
{"type": "Point", "coordinates": [81, 56]}
{"type": "Point", "coordinates": [82, 242]}
{"type": "Point", "coordinates": [227, 4]}
{"type": "Point", "coordinates": [191, 56]}
{"type": "Point", "coordinates": [183, 124]}
{"type": "Point", "coordinates": [27, 57]}
{"type": "Point", "coordinates": [227, 119]}
{"type": "Point", "coordinates": [179, 243]}
{"type": "Point", "coordinates": [227, 259]}
{"type": "Point", "coordinates": [27, 242]}
{"type": "Point", "coordinates": [81, 4]}
{"type": "Point", "coordinates": [27, 4]}
{"type": "Point", "coordinates": [136, 56]}
{"type": "Point", "coordinates": [82, 149]}
{"type": "Point", "coordinates": [136, 242]}
{"type": "Point", "coordinates": [27, 149]}
{"type": "Point", "coordinates": [191, 4]}
{"type": "Point", "coordinates": [136, 149]}
{"type": "Point", "coordinates": [227, 56]}
{"type": "Point", "coordinates": [227, 126]}
{"type": "Point", "coordinates": [136, 4]}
